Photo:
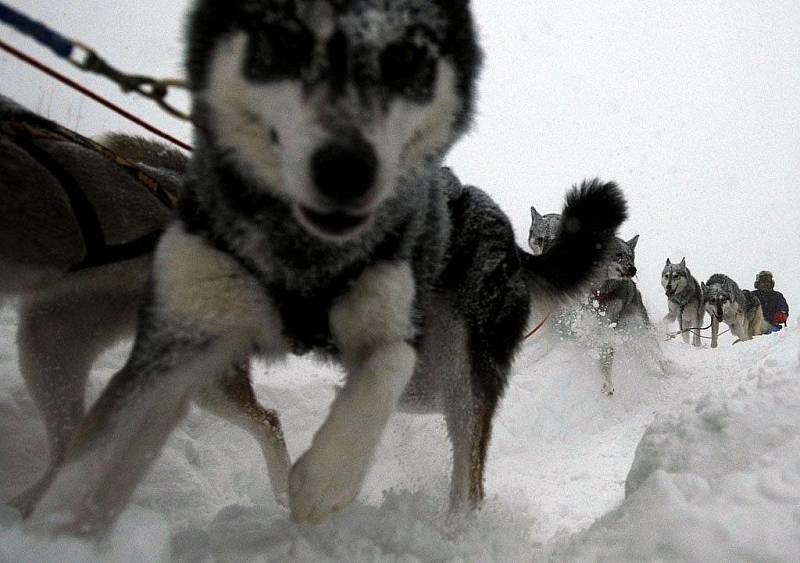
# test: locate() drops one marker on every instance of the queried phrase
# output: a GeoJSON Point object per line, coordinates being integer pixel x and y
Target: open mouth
{"type": "Point", "coordinates": [670, 292]}
{"type": "Point", "coordinates": [333, 224]}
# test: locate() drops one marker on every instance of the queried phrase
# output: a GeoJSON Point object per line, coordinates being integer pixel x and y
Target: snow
{"type": "Point", "coordinates": [692, 108]}
{"type": "Point", "coordinates": [708, 454]}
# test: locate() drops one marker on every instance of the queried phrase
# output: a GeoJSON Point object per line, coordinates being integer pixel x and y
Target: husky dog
{"type": "Point", "coordinates": [616, 300]}
{"type": "Point", "coordinates": [77, 234]}
{"type": "Point", "coordinates": [619, 303]}
{"type": "Point", "coordinates": [737, 308]}
{"type": "Point", "coordinates": [543, 231]}
{"type": "Point", "coordinates": [316, 217]}
{"type": "Point", "coordinates": [684, 299]}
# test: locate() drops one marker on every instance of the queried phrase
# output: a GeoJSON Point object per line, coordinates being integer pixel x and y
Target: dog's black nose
{"type": "Point", "coordinates": [632, 271]}
{"type": "Point", "coordinates": [344, 171]}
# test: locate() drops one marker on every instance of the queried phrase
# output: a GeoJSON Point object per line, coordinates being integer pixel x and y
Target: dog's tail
{"type": "Point", "coordinates": [592, 213]}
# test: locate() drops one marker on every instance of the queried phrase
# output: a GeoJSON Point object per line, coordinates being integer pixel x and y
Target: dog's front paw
{"type": "Point", "coordinates": [323, 481]}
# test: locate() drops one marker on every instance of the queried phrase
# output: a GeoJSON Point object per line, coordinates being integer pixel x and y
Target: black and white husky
{"type": "Point", "coordinates": [316, 217]}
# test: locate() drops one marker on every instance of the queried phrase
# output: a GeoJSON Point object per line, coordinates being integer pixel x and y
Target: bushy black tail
{"type": "Point", "coordinates": [592, 213]}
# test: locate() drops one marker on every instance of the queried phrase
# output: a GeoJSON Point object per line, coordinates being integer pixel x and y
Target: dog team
{"type": "Point", "coordinates": [616, 298]}
{"type": "Point", "coordinates": [314, 216]}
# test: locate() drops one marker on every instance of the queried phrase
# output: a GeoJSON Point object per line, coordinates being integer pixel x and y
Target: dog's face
{"type": "Point", "coordinates": [622, 259]}
{"type": "Point", "coordinates": [718, 301]}
{"type": "Point", "coordinates": [674, 277]}
{"type": "Point", "coordinates": [329, 104]}
{"type": "Point", "coordinates": [543, 232]}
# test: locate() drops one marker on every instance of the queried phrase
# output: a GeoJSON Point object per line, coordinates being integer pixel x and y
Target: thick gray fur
{"type": "Point", "coordinates": [738, 308]}
{"type": "Point", "coordinates": [67, 317]}
{"type": "Point", "coordinates": [369, 254]}
{"type": "Point", "coordinates": [543, 231]}
{"type": "Point", "coordinates": [620, 305]}
{"type": "Point", "coordinates": [684, 300]}
{"type": "Point", "coordinates": [619, 302]}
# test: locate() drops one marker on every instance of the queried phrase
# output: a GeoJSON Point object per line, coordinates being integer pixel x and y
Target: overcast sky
{"type": "Point", "coordinates": [693, 107]}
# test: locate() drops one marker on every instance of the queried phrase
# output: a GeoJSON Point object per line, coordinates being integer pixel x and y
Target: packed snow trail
{"type": "Point", "coordinates": [560, 455]}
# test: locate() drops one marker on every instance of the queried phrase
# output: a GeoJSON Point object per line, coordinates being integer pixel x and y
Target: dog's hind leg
{"type": "Point", "coordinates": [233, 398]}
{"type": "Point", "coordinates": [60, 334]}
{"type": "Point", "coordinates": [468, 415]}
{"type": "Point", "coordinates": [205, 313]}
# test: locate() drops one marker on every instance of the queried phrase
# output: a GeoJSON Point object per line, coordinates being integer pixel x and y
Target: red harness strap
{"type": "Point", "coordinates": [537, 327]}
{"type": "Point", "coordinates": [600, 297]}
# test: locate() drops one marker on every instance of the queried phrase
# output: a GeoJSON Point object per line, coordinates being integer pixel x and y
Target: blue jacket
{"type": "Point", "coordinates": [771, 302]}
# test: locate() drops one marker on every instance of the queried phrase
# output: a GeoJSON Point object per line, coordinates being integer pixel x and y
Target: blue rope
{"type": "Point", "coordinates": [59, 44]}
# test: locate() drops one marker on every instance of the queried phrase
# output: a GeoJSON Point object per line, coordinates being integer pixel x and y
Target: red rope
{"type": "Point", "coordinates": [86, 92]}
{"type": "Point", "coordinates": [537, 327]}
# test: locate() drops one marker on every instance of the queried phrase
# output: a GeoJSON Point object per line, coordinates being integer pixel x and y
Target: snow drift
{"type": "Point", "coordinates": [716, 475]}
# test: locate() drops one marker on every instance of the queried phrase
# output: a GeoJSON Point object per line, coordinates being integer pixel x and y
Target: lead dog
{"type": "Point", "coordinates": [316, 217]}
{"type": "Point", "coordinates": [77, 234]}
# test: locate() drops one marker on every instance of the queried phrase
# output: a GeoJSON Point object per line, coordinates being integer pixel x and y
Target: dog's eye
{"type": "Point", "coordinates": [409, 70]}
{"type": "Point", "coordinates": [278, 51]}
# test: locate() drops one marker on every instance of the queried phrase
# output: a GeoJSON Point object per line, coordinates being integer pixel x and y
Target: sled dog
{"type": "Point", "coordinates": [77, 235]}
{"type": "Point", "coordinates": [316, 217]}
{"type": "Point", "coordinates": [616, 300]}
{"type": "Point", "coordinates": [737, 308]}
{"type": "Point", "coordinates": [543, 231]}
{"type": "Point", "coordinates": [619, 304]}
{"type": "Point", "coordinates": [684, 299]}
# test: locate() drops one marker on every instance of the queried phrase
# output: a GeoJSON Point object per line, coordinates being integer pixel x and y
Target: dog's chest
{"type": "Point", "coordinates": [305, 317]}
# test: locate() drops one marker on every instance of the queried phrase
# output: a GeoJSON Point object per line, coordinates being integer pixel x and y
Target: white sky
{"type": "Point", "coordinates": [692, 107]}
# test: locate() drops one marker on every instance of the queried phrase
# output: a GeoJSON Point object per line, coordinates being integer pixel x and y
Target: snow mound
{"type": "Point", "coordinates": [717, 481]}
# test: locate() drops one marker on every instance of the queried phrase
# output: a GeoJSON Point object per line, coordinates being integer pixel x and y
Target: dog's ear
{"type": "Point", "coordinates": [703, 287]}
{"type": "Point", "coordinates": [633, 241]}
{"type": "Point", "coordinates": [668, 262]}
{"type": "Point", "coordinates": [535, 217]}
{"type": "Point", "coordinates": [683, 262]}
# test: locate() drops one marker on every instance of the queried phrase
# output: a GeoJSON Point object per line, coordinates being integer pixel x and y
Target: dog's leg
{"type": "Point", "coordinates": [698, 322]}
{"type": "Point", "coordinates": [204, 314]}
{"type": "Point", "coordinates": [606, 365]}
{"type": "Point", "coordinates": [125, 430]}
{"type": "Point", "coordinates": [468, 415]}
{"type": "Point", "coordinates": [743, 327]}
{"type": "Point", "coordinates": [372, 325]}
{"type": "Point", "coordinates": [686, 326]}
{"type": "Point", "coordinates": [669, 318]}
{"type": "Point", "coordinates": [232, 397]}
{"type": "Point", "coordinates": [60, 335]}
{"type": "Point", "coordinates": [714, 331]}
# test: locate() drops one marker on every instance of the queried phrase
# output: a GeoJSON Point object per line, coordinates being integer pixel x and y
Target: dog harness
{"type": "Point", "coordinates": [26, 128]}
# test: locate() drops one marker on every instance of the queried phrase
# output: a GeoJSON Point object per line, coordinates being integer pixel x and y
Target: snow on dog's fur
{"type": "Point", "coordinates": [317, 217]}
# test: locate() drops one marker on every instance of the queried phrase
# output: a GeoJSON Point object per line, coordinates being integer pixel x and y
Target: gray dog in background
{"type": "Point", "coordinates": [684, 300]}
{"type": "Point", "coordinates": [738, 308]}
